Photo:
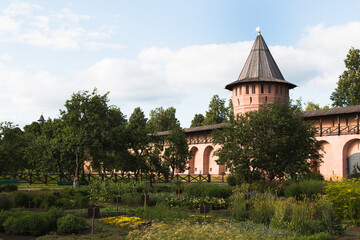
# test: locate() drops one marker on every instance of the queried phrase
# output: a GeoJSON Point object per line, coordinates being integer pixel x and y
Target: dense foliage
{"type": "Point", "coordinates": [273, 142]}
{"type": "Point", "coordinates": [347, 92]}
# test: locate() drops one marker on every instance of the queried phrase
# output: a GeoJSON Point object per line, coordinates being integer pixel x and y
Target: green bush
{"type": "Point", "coordinates": [208, 190]}
{"type": "Point", "coordinates": [82, 201]}
{"type": "Point", "coordinates": [231, 180]}
{"type": "Point", "coordinates": [28, 223]}
{"type": "Point", "coordinates": [70, 224]}
{"type": "Point", "coordinates": [107, 190]}
{"type": "Point", "coordinates": [21, 198]}
{"type": "Point", "coordinates": [5, 202]}
{"type": "Point", "coordinates": [52, 216]}
{"type": "Point", "coordinates": [8, 188]}
{"type": "Point", "coordinates": [131, 199]}
{"type": "Point", "coordinates": [5, 215]}
{"type": "Point", "coordinates": [62, 202]}
{"type": "Point", "coordinates": [345, 198]}
{"type": "Point", "coordinates": [304, 189]}
{"type": "Point", "coordinates": [162, 213]}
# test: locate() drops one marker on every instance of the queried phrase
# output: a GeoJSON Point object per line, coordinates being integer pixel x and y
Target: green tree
{"type": "Point", "coordinates": [176, 154]}
{"type": "Point", "coordinates": [12, 148]}
{"type": "Point", "coordinates": [85, 128]}
{"type": "Point", "coordinates": [162, 120]}
{"type": "Point", "coordinates": [310, 106]}
{"type": "Point", "coordinates": [347, 92]}
{"type": "Point", "coordinates": [270, 143]}
{"type": "Point", "coordinates": [217, 112]}
{"type": "Point", "coordinates": [138, 144]}
{"type": "Point", "coordinates": [198, 120]}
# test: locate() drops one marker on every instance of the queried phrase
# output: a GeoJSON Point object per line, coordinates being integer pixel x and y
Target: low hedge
{"type": "Point", "coordinates": [70, 224]}
{"type": "Point", "coordinates": [70, 183]}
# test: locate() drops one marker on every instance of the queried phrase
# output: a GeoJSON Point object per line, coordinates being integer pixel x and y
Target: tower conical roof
{"type": "Point", "coordinates": [260, 66]}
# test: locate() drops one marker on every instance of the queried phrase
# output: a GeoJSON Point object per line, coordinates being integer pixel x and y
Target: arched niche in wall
{"type": "Point", "coordinates": [351, 156]}
{"type": "Point", "coordinates": [206, 160]}
{"type": "Point", "coordinates": [194, 151]}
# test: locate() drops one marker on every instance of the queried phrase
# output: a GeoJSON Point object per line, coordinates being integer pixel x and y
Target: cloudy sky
{"type": "Point", "coordinates": [163, 53]}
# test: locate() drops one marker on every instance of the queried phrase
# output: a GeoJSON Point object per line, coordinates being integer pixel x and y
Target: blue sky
{"type": "Point", "coordinates": [163, 53]}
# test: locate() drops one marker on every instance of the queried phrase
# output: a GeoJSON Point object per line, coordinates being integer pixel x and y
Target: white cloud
{"type": "Point", "coordinates": [31, 24]}
{"type": "Point", "coordinates": [165, 76]}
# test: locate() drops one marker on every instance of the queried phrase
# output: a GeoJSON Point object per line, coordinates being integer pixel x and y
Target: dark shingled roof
{"type": "Point", "coordinates": [331, 111]}
{"type": "Point", "coordinates": [197, 129]}
{"type": "Point", "coordinates": [260, 66]}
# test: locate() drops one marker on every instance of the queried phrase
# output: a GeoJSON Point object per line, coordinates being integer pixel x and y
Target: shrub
{"type": "Point", "coordinates": [81, 201]}
{"type": "Point", "coordinates": [21, 198]}
{"type": "Point", "coordinates": [28, 223]}
{"type": "Point", "coordinates": [5, 202]}
{"type": "Point", "coordinates": [52, 216]}
{"type": "Point", "coordinates": [48, 201]}
{"type": "Point", "coordinates": [62, 202]}
{"type": "Point", "coordinates": [231, 180]}
{"type": "Point", "coordinates": [107, 190]}
{"type": "Point", "coordinates": [70, 224]}
{"type": "Point", "coordinates": [304, 189]}
{"type": "Point", "coordinates": [208, 190]}
{"type": "Point", "coordinates": [345, 198]}
{"type": "Point", "coordinates": [158, 198]}
{"type": "Point", "coordinates": [8, 188]}
{"type": "Point", "coordinates": [5, 215]}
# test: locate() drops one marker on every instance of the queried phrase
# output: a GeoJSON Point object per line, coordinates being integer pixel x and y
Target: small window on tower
{"type": "Point", "coordinates": [266, 99]}
{"type": "Point", "coordinates": [262, 88]}
{"type": "Point", "coordinates": [240, 90]}
{"type": "Point", "coordinates": [253, 89]}
{"type": "Point", "coordinates": [247, 89]}
{"type": "Point", "coordinates": [250, 100]}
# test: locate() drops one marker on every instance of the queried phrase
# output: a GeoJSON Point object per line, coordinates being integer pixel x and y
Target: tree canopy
{"type": "Point", "coordinates": [270, 143]}
{"type": "Point", "coordinates": [162, 120]}
{"type": "Point", "coordinates": [347, 92]}
{"type": "Point", "coordinates": [217, 113]}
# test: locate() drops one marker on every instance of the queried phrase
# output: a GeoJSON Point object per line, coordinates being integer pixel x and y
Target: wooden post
{"type": "Point", "coordinates": [209, 178]}
{"type": "Point", "coordinates": [115, 177]}
{"type": "Point", "coordinates": [89, 176]}
{"type": "Point", "coordinates": [338, 117]}
{"type": "Point", "coordinates": [189, 180]}
{"type": "Point", "coordinates": [30, 178]}
{"type": "Point", "coordinates": [45, 178]}
{"type": "Point", "coordinates": [320, 126]}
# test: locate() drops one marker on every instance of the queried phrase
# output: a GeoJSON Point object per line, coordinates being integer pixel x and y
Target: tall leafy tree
{"type": "Point", "coordinates": [176, 154]}
{"type": "Point", "coordinates": [270, 143]}
{"type": "Point", "coordinates": [162, 120]}
{"type": "Point", "coordinates": [347, 92]}
{"type": "Point", "coordinates": [138, 144]}
{"type": "Point", "coordinates": [85, 127]}
{"type": "Point", "coordinates": [217, 113]}
{"type": "Point", "coordinates": [12, 148]}
{"type": "Point", "coordinates": [198, 120]}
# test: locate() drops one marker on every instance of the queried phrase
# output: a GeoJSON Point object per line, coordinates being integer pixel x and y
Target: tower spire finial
{"type": "Point", "coordinates": [258, 30]}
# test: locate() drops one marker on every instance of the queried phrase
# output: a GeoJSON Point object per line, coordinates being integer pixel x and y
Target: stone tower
{"type": "Point", "coordinates": [259, 82]}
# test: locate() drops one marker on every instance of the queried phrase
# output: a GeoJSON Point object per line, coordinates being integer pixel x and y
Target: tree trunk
{"type": "Point", "coordinates": [76, 178]}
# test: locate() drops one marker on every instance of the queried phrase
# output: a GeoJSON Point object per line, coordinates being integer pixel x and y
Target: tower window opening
{"type": "Point", "coordinates": [253, 89]}
{"type": "Point", "coordinates": [247, 89]}
{"type": "Point", "coordinates": [266, 99]}
{"type": "Point", "coordinates": [250, 100]}
{"type": "Point", "coordinates": [269, 89]}
{"type": "Point", "coordinates": [238, 102]}
{"type": "Point", "coordinates": [347, 121]}
{"type": "Point", "coordinates": [239, 90]}
{"type": "Point", "coordinates": [262, 88]}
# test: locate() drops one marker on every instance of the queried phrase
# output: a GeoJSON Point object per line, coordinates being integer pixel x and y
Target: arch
{"type": "Point", "coordinates": [206, 160]}
{"type": "Point", "coordinates": [351, 155]}
{"type": "Point", "coordinates": [194, 151]}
